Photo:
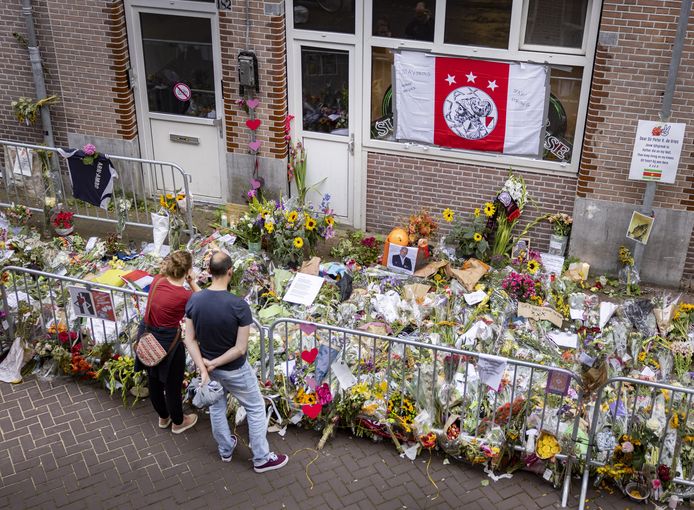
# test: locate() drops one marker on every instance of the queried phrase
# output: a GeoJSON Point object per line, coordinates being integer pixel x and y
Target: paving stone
{"type": "Point", "coordinates": [69, 445]}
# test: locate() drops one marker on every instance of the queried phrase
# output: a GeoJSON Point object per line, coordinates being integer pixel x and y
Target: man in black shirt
{"type": "Point", "coordinates": [220, 321]}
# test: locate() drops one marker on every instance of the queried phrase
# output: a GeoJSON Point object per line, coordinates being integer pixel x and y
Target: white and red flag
{"type": "Point", "coordinates": [470, 104]}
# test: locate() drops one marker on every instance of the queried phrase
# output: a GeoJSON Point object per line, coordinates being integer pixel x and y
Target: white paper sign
{"type": "Point", "coordinates": [607, 309]}
{"type": "Point", "coordinates": [344, 375]}
{"type": "Point", "coordinates": [227, 239]}
{"type": "Point", "coordinates": [552, 263]}
{"type": "Point", "coordinates": [13, 298]}
{"type": "Point", "coordinates": [491, 369]}
{"type": "Point", "coordinates": [576, 314]}
{"type": "Point", "coordinates": [562, 339]}
{"type": "Point", "coordinates": [6, 254]}
{"type": "Point", "coordinates": [657, 150]}
{"type": "Point", "coordinates": [648, 372]}
{"type": "Point", "coordinates": [304, 289]}
{"type": "Point", "coordinates": [475, 297]}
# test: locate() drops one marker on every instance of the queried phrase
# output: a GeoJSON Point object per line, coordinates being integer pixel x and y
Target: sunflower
{"type": "Point", "coordinates": [264, 213]}
{"type": "Point", "coordinates": [270, 227]}
{"type": "Point", "coordinates": [533, 266]}
{"type": "Point", "coordinates": [329, 220]}
{"type": "Point", "coordinates": [477, 212]}
{"type": "Point", "coordinates": [448, 215]}
{"type": "Point", "coordinates": [310, 223]}
{"type": "Point", "coordinates": [438, 278]}
{"type": "Point", "coordinates": [169, 196]}
{"type": "Point", "coordinates": [180, 196]}
{"type": "Point", "coordinates": [298, 243]}
{"type": "Point", "coordinates": [292, 216]}
{"type": "Point", "coordinates": [477, 237]}
{"type": "Point", "coordinates": [489, 209]}
{"type": "Point", "coordinates": [162, 201]}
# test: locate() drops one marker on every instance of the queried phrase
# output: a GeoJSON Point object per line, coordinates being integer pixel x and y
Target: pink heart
{"type": "Point", "coordinates": [253, 124]}
{"type": "Point", "coordinates": [252, 103]}
{"type": "Point", "coordinates": [312, 411]}
{"type": "Point", "coordinates": [309, 356]}
{"type": "Point", "coordinates": [256, 184]}
{"type": "Point", "coordinates": [308, 329]}
{"type": "Point", "coordinates": [311, 383]}
{"type": "Point", "coordinates": [254, 146]}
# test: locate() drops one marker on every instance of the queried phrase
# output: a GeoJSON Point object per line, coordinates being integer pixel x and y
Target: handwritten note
{"type": "Point", "coordinates": [304, 289]}
{"type": "Point", "coordinates": [540, 313]}
{"type": "Point", "coordinates": [552, 264]}
{"type": "Point", "coordinates": [475, 297]}
{"type": "Point", "coordinates": [491, 369]}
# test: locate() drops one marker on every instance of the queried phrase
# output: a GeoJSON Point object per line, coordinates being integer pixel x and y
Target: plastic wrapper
{"type": "Point", "coordinates": [387, 305]}
{"type": "Point", "coordinates": [640, 313]}
{"type": "Point", "coordinates": [160, 230]}
{"type": "Point", "coordinates": [11, 366]}
{"type": "Point", "coordinates": [629, 275]}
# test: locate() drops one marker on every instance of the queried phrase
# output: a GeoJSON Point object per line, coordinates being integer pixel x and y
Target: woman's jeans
{"type": "Point", "coordinates": [242, 383]}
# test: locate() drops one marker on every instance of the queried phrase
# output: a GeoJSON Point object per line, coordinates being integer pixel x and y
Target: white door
{"type": "Point", "coordinates": [323, 99]}
{"type": "Point", "coordinates": [178, 81]}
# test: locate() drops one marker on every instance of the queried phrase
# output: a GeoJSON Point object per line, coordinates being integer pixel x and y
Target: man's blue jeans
{"type": "Point", "coordinates": [242, 383]}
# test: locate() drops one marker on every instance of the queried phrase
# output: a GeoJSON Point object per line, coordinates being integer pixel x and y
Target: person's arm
{"type": "Point", "coordinates": [235, 352]}
{"type": "Point", "coordinates": [192, 282]}
{"type": "Point", "coordinates": [194, 350]}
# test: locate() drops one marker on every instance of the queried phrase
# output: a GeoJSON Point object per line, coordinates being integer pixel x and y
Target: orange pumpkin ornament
{"type": "Point", "coordinates": [398, 236]}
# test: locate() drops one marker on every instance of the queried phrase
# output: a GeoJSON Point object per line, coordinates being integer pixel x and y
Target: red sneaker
{"type": "Point", "coordinates": [273, 462]}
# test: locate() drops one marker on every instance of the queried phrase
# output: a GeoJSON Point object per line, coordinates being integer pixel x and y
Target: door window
{"type": "Point", "coordinates": [324, 15]}
{"type": "Point", "coordinates": [179, 64]}
{"type": "Point", "coordinates": [325, 90]}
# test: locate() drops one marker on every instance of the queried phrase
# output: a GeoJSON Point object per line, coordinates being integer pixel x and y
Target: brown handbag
{"type": "Point", "coordinates": [148, 349]}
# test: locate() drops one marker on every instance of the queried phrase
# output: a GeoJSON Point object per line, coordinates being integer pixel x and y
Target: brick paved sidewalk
{"type": "Point", "coordinates": [70, 445]}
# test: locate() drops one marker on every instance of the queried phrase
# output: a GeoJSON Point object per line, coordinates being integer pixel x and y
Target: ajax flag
{"type": "Point", "coordinates": [470, 104]}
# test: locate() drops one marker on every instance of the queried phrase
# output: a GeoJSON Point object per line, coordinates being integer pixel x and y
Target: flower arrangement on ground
{"type": "Point", "coordinates": [63, 220]}
{"type": "Point", "coordinates": [18, 215]}
{"type": "Point", "coordinates": [172, 205]}
{"type": "Point", "coordinates": [358, 248]}
{"type": "Point", "coordinates": [470, 238]}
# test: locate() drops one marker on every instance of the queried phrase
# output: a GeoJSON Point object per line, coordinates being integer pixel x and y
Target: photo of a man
{"type": "Point", "coordinates": [402, 260]}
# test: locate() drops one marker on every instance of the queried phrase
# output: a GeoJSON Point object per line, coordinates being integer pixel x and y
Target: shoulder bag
{"type": "Point", "coordinates": [148, 349]}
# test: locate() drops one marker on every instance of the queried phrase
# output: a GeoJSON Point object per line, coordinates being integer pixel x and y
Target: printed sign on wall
{"type": "Point", "coordinates": [657, 150]}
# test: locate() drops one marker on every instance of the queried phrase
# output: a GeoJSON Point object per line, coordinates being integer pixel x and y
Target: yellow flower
{"type": "Point", "coordinates": [162, 201]}
{"type": "Point", "coordinates": [292, 216]}
{"type": "Point", "coordinates": [330, 220]}
{"type": "Point", "coordinates": [180, 196]}
{"type": "Point", "coordinates": [477, 212]}
{"type": "Point", "coordinates": [533, 266]}
{"type": "Point", "coordinates": [448, 215]}
{"type": "Point", "coordinates": [264, 213]}
{"type": "Point", "coordinates": [270, 227]}
{"type": "Point", "coordinates": [477, 237]}
{"type": "Point", "coordinates": [438, 277]}
{"type": "Point", "coordinates": [298, 243]}
{"type": "Point", "coordinates": [489, 209]}
{"type": "Point", "coordinates": [169, 196]}
{"type": "Point", "coordinates": [642, 356]}
{"type": "Point", "coordinates": [310, 223]}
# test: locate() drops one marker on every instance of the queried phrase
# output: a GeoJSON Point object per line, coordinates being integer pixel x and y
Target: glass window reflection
{"type": "Point", "coordinates": [325, 90]}
{"type": "Point", "coordinates": [404, 19]}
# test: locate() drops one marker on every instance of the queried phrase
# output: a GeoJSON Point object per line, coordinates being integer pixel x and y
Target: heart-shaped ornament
{"type": "Point", "coordinates": [312, 411]}
{"type": "Point", "coordinates": [308, 329]}
{"type": "Point", "coordinates": [253, 124]}
{"type": "Point", "coordinates": [309, 356]}
{"type": "Point", "coordinates": [253, 103]}
{"type": "Point", "coordinates": [254, 146]}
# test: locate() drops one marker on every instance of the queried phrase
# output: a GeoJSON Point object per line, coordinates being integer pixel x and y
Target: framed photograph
{"type": "Point", "coordinates": [640, 227]}
{"type": "Point", "coordinates": [402, 259]}
{"type": "Point", "coordinates": [521, 248]}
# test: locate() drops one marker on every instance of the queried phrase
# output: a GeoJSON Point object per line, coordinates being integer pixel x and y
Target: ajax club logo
{"type": "Point", "coordinates": [470, 113]}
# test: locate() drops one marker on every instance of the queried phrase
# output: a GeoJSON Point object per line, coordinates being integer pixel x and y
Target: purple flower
{"type": "Point", "coordinates": [89, 149]}
{"type": "Point", "coordinates": [251, 193]}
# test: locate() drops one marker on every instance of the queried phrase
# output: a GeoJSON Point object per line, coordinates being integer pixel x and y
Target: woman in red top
{"type": "Point", "coordinates": [168, 302]}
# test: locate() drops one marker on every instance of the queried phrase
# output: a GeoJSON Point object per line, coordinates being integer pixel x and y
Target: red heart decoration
{"type": "Point", "coordinates": [253, 124]}
{"type": "Point", "coordinates": [312, 411]}
{"type": "Point", "coordinates": [309, 356]}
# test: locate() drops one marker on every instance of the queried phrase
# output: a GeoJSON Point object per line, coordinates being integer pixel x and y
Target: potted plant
{"type": "Point", "coordinates": [561, 228]}
{"type": "Point", "coordinates": [248, 230]}
{"type": "Point", "coordinates": [62, 222]}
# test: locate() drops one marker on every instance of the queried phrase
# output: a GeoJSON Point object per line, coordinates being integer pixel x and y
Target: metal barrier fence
{"type": "Point", "coordinates": [430, 373]}
{"type": "Point", "coordinates": [139, 181]}
{"type": "Point", "coordinates": [627, 404]}
{"type": "Point", "coordinates": [49, 293]}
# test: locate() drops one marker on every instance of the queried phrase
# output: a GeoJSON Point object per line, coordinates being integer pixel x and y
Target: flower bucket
{"type": "Point", "coordinates": [254, 247]}
{"type": "Point", "coordinates": [557, 244]}
{"type": "Point", "coordinates": [62, 232]}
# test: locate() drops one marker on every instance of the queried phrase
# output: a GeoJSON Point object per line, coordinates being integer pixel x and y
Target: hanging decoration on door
{"type": "Point", "coordinates": [182, 92]}
{"type": "Point", "coordinates": [253, 123]}
{"type": "Point", "coordinates": [470, 104]}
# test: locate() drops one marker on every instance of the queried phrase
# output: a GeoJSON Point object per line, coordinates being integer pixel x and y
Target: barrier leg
{"type": "Point", "coordinates": [584, 487]}
{"type": "Point", "coordinates": [567, 484]}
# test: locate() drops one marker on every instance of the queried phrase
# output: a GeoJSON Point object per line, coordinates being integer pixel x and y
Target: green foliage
{"type": "Point", "coordinates": [27, 111]}
{"type": "Point", "coordinates": [470, 238]}
{"type": "Point", "coordinates": [355, 245]}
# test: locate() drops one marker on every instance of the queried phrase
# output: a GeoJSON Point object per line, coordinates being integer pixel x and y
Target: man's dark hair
{"type": "Point", "coordinates": [220, 263]}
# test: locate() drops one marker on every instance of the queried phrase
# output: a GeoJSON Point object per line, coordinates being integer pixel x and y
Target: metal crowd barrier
{"type": "Point", "coordinates": [634, 408]}
{"type": "Point", "coordinates": [49, 293]}
{"type": "Point", "coordinates": [368, 346]}
{"type": "Point", "coordinates": [139, 180]}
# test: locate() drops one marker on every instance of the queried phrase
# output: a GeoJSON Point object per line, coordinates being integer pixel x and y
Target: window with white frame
{"type": "Point", "coordinates": [558, 33]}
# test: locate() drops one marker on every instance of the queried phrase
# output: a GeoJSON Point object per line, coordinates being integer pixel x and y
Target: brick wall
{"type": "Point", "coordinates": [267, 39]}
{"type": "Point", "coordinates": [83, 45]}
{"type": "Point", "coordinates": [400, 185]}
{"type": "Point", "coordinates": [629, 81]}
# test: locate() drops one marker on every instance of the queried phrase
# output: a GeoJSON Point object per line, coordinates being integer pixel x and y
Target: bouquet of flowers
{"type": "Point", "coordinates": [471, 239]}
{"type": "Point", "coordinates": [90, 154]}
{"type": "Point", "coordinates": [421, 226]}
{"type": "Point", "coordinates": [561, 223]}
{"type": "Point", "coordinates": [171, 206]}
{"type": "Point", "coordinates": [359, 248]}
{"type": "Point", "coordinates": [62, 220]}
{"type": "Point", "coordinates": [18, 215]}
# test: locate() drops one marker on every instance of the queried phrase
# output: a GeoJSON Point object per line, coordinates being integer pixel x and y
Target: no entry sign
{"type": "Point", "coordinates": [182, 91]}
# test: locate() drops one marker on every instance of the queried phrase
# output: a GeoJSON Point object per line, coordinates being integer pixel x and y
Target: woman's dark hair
{"type": "Point", "coordinates": [178, 264]}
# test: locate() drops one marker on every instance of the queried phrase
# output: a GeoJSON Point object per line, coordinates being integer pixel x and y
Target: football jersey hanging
{"type": "Point", "coordinates": [92, 182]}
